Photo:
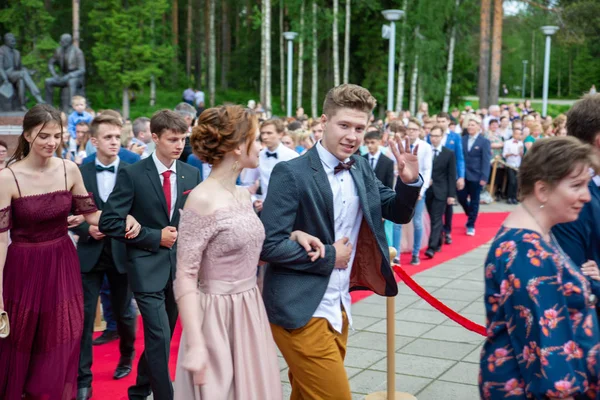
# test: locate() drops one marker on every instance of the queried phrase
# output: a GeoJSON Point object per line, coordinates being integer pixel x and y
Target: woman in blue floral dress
{"type": "Point", "coordinates": [542, 329]}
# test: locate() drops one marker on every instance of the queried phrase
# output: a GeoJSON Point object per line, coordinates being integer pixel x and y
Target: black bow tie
{"type": "Point", "coordinates": [343, 166]}
{"type": "Point", "coordinates": [272, 155]}
{"type": "Point", "coordinates": [100, 168]}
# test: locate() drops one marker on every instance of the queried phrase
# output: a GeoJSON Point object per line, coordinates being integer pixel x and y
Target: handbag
{"type": "Point", "coordinates": [4, 325]}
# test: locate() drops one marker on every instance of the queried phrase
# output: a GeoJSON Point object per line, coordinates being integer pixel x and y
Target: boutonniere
{"type": "Point", "coordinates": [187, 192]}
{"type": "Point", "coordinates": [476, 147]}
{"type": "Point", "coordinates": [353, 166]}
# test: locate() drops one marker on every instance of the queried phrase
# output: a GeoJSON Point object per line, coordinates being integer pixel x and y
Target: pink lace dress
{"type": "Point", "coordinates": [43, 297]}
{"type": "Point", "coordinates": [217, 256]}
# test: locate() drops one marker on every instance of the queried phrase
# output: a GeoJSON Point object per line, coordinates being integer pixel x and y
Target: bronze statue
{"type": "Point", "coordinates": [14, 76]}
{"type": "Point", "coordinates": [71, 64]}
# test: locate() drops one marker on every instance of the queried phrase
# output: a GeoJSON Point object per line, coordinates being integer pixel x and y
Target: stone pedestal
{"type": "Point", "coordinates": [11, 126]}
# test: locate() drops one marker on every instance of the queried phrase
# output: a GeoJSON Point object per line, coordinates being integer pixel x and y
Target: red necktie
{"type": "Point", "coordinates": [167, 189]}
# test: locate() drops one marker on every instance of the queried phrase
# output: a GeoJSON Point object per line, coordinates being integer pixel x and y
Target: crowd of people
{"type": "Point", "coordinates": [172, 215]}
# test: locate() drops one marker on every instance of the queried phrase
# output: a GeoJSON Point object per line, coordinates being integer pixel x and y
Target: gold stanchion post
{"type": "Point", "coordinates": [390, 393]}
{"type": "Point", "coordinates": [493, 179]}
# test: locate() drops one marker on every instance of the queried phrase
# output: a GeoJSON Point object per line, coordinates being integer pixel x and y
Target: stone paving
{"type": "Point", "coordinates": [436, 359]}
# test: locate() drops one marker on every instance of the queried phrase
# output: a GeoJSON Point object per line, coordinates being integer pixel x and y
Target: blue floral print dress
{"type": "Point", "coordinates": [542, 328]}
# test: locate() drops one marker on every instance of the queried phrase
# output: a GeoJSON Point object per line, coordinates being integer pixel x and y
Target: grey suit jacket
{"type": "Point", "coordinates": [300, 198]}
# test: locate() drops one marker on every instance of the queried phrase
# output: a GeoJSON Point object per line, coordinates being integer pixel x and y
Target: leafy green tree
{"type": "Point", "coordinates": [123, 53]}
{"type": "Point", "coordinates": [28, 20]}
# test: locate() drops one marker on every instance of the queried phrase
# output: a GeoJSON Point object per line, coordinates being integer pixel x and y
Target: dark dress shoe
{"type": "Point", "coordinates": [448, 238]}
{"type": "Point", "coordinates": [415, 260]}
{"type": "Point", "coordinates": [123, 367]}
{"type": "Point", "coordinates": [84, 393]}
{"type": "Point", "coordinates": [106, 337]}
{"type": "Point", "coordinates": [429, 253]}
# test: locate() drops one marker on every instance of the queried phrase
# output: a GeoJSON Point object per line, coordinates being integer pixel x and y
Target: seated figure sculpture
{"type": "Point", "coordinates": [13, 73]}
{"type": "Point", "coordinates": [71, 65]}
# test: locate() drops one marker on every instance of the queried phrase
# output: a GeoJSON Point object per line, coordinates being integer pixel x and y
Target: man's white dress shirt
{"type": "Point", "coordinates": [173, 179]}
{"type": "Point", "coordinates": [106, 180]}
{"type": "Point", "coordinates": [374, 158]}
{"type": "Point", "coordinates": [425, 157]}
{"type": "Point", "coordinates": [510, 147]}
{"type": "Point", "coordinates": [347, 220]}
{"type": "Point", "coordinates": [265, 167]}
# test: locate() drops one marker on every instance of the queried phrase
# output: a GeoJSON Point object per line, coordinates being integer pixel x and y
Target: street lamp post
{"type": "Point", "coordinates": [524, 78]}
{"type": "Point", "coordinates": [289, 36]}
{"type": "Point", "coordinates": [390, 33]}
{"type": "Point", "coordinates": [548, 31]}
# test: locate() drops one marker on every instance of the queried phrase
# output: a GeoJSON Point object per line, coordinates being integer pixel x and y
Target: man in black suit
{"type": "Point", "coordinates": [442, 189]}
{"type": "Point", "coordinates": [379, 162]}
{"type": "Point", "coordinates": [152, 191]}
{"type": "Point", "coordinates": [100, 256]}
{"type": "Point", "coordinates": [332, 194]}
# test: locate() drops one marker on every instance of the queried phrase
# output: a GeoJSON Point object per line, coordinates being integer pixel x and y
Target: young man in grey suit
{"type": "Point", "coordinates": [100, 256]}
{"type": "Point", "coordinates": [333, 194]}
{"type": "Point", "coordinates": [153, 190]}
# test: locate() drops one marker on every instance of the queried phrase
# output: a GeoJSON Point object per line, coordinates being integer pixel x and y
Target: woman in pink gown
{"type": "Point", "coordinates": [227, 351]}
{"type": "Point", "coordinates": [41, 288]}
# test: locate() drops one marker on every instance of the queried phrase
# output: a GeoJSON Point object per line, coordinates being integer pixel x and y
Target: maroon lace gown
{"type": "Point", "coordinates": [43, 297]}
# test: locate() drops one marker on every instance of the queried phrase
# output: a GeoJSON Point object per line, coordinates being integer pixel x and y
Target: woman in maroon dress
{"type": "Point", "coordinates": [40, 279]}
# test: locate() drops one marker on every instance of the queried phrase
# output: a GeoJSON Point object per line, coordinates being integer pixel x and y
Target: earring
{"type": "Point", "coordinates": [541, 206]}
{"type": "Point", "coordinates": [235, 166]}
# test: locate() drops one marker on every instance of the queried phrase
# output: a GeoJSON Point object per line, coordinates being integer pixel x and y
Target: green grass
{"type": "Point", "coordinates": [553, 109]}
{"type": "Point", "coordinates": [167, 99]}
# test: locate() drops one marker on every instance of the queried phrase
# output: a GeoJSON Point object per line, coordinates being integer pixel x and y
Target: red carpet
{"type": "Point", "coordinates": [107, 356]}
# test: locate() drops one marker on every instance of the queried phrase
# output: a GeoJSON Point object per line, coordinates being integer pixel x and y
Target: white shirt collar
{"type": "Point", "coordinates": [274, 151]}
{"type": "Point", "coordinates": [376, 155]}
{"type": "Point", "coordinates": [161, 167]}
{"type": "Point", "coordinates": [327, 158]}
{"type": "Point", "coordinates": [114, 163]}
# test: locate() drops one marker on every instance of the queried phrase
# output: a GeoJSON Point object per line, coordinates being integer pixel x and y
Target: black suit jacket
{"type": "Point", "coordinates": [88, 248]}
{"type": "Point", "coordinates": [138, 192]}
{"type": "Point", "coordinates": [300, 198]}
{"type": "Point", "coordinates": [384, 170]}
{"type": "Point", "coordinates": [443, 175]}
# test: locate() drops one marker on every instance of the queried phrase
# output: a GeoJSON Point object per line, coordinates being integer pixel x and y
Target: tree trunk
{"type": "Point", "coordinates": [225, 45]}
{"type": "Point", "coordinates": [336, 41]}
{"type": "Point", "coordinates": [401, 65]}
{"type": "Point", "coordinates": [76, 4]}
{"type": "Point", "coordinates": [420, 94]}
{"type": "Point", "coordinates": [300, 58]}
{"type": "Point", "coordinates": [496, 53]}
{"type": "Point", "coordinates": [212, 57]}
{"type": "Point", "coordinates": [484, 54]}
{"type": "Point", "coordinates": [315, 72]}
{"type": "Point", "coordinates": [198, 45]}
{"type": "Point", "coordinates": [413, 84]}
{"type": "Point", "coordinates": [188, 42]}
{"type": "Point", "coordinates": [152, 91]}
{"type": "Point", "coordinates": [450, 66]}
{"type": "Point", "coordinates": [347, 41]}
{"type": "Point", "coordinates": [532, 80]}
{"type": "Point", "coordinates": [175, 33]}
{"type": "Point", "coordinates": [282, 97]}
{"type": "Point", "coordinates": [207, 35]}
{"type": "Point", "coordinates": [125, 103]}
{"type": "Point", "coordinates": [267, 105]}
{"type": "Point", "coordinates": [263, 45]}
{"type": "Point", "coordinates": [559, 70]}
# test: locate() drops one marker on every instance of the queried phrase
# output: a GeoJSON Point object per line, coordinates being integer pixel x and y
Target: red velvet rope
{"type": "Point", "coordinates": [438, 305]}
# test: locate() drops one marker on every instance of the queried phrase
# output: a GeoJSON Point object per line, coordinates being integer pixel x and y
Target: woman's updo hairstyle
{"type": "Point", "coordinates": [551, 160]}
{"type": "Point", "coordinates": [221, 130]}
